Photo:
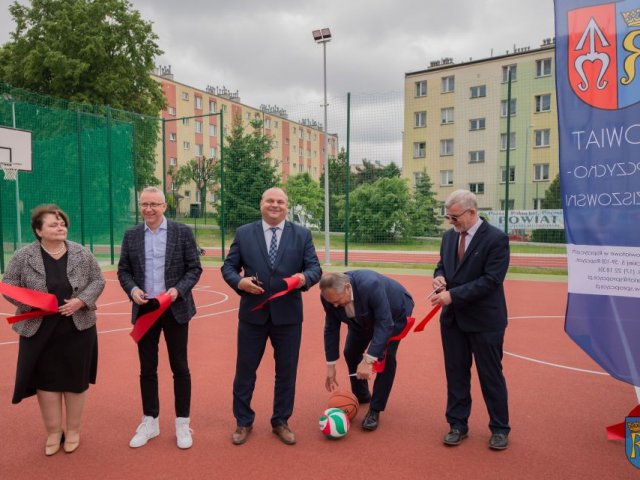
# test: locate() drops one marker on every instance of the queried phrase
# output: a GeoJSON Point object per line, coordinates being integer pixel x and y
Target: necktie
{"type": "Point", "coordinates": [273, 246]}
{"type": "Point", "coordinates": [463, 237]}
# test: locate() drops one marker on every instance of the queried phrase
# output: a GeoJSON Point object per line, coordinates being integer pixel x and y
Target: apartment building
{"type": "Point", "coordinates": [192, 129]}
{"type": "Point", "coordinates": [458, 122]}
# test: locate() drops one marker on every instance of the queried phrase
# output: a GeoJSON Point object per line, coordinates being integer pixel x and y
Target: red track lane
{"type": "Point", "coordinates": [557, 415]}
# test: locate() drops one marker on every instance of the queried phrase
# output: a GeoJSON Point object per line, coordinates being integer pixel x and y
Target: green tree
{"type": "Point", "coordinates": [202, 171]}
{"type": "Point", "coordinates": [380, 212]}
{"type": "Point", "coordinates": [552, 200]}
{"type": "Point", "coordinates": [248, 173]}
{"type": "Point", "coordinates": [369, 172]}
{"type": "Point", "coordinates": [338, 174]}
{"type": "Point", "coordinates": [96, 52]}
{"type": "Point", "coordinates": [423, 213]}
{"type": "Point", "coordinates": [178, 178]}
{"type": "Point", "coordinates": [305, 200]}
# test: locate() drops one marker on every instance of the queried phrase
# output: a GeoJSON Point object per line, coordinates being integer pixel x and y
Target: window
{"type": "Point", "coordinates": [479, 91]}
{"type": "Point", "coordinates": [248, 116]}
{"type": "Point", "coordinates": [446, 146]}
{"type": "Point", "coordinates": [212, 152]}
{"type": "Point", "coordinates": [173, 162]}
{"type": "Point", "coordinates": [503, 108]}
{"type": "Point", "coordinates": [448, 84]}
{"type": "Point", "coordinates": [199, 150]}
{"type": "Point", "coordinates": [503, 174]}
{"type": "Point", "coordinates": [301, 168]}
{"type": "Point", "coordinates": [185, 121]}
{"type": "Point", "coordinates": [172, 111]}
{"type": "Point", "coordinates": [476, 188]}
{"type": "Point", "coordinates": [198, 196]}
{"type": "Point", "coordinates": [187, 194]}
{"type": "Point", "coordinates": [212, 106]}
{"type": "Point", "coordinates": [543, 67]}
{"type": "Point", "coordinates": [512, 141]}
{"type": "Point", "coordinates": [476, 156]}
{"type": "Point", "coordinates": [185, 96]}
{"type": "Point", "coordinates": [223, 108]}
{"type": "Point", "coordinates": [213, 130]}
{"type": "Point", "coordinates": [186, 145]}
{"type": "Point", "coordinates": [505, 73]}
{"type": "Point", "coordinates": [541, 172]}
{"type": "Point", "coordinates": [172, 136]}
{"type": "Point", "coordinates": [512, 204]}
{"type": "Point", "coordinates": [417, 178]}
{"type": "Point", "coordinates": [542, 137]}
{"type": "Point", "coordinates": [198, 102]}
{"type": "Point", "coordinates": [543, 103]}
{"type": "Point", "coordinates": [421, 88]}
{"type": "Point", "coordinates": [267, 123]}
{"type": "Point", "coordinates": [198, 125]}
{"type": "Point", "coordinates": [477, 124]}
{"type": "Point", "coordinates": [420, 119]}
{"type": "Point", "coordinates": [538, 203]}
{"type": "Point", "coordinates": [446, 115]}
{"type": "Point", "coordinates": [446, 178]}
{"type": "Point", "coordinates": [419, 149]}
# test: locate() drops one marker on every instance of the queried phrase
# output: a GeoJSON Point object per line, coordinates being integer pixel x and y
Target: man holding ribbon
{"type": "Point", "coordinates": [160, 258]}
{"type": "Point", "coordinates": [278, 261]}
{"type": "Point", "coordinates": [375, 309]}
{"type": "Point", "coordinates": [468, 283]}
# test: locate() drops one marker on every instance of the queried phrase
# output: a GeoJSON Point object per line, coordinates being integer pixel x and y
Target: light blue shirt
{"type": "Point", "coordinates": [268, 233]}
{"type": "Point", "coordinates": [155, 249]}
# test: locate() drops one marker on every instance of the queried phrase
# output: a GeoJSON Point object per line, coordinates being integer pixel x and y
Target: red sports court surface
{"type": "Point", "coordinates": [560, 404]}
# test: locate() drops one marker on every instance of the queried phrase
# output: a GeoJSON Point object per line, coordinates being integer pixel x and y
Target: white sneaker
{"type": "Point", "coordinates": [183, 432]}
{"type": "Point", "coordinates": [148, 429]}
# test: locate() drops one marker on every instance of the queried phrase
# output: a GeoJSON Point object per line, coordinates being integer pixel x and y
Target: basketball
{"type": "Point", "coordinates": [345, 401]}
{"type": "Point", "coordinates": [334, 423]}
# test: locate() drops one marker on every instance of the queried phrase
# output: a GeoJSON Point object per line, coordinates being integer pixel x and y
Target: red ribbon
{"type": "Point", "coordinates": [426, 319]}
{"type": "Point", "coordinates": [617, 431]}
{"type": "Point", "coordinates": [44, 303]}
{"type": "Point", "coordinates": [292, 283]}
{"type": "Point", "coordinates": [146, 321]}
{"type": "Point", "coordinates": [378, 365]}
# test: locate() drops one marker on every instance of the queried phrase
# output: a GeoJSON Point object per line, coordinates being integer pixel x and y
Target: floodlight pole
{"type": "Point", "coordinates": [323, 36]}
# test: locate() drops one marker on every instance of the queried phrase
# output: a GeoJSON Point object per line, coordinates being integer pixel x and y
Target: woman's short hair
{"type": "Point", "coordinates": [38, 213]}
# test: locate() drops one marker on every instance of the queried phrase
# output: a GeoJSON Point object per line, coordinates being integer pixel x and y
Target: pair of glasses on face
{"type": "Point", "coordinates": [454, 218]}
{"type": "Point", "coordinates": [150, 205]}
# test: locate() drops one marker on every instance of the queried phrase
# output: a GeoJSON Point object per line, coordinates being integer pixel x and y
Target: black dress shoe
{"type": "Point", "coordinates": [370, 421]}
{"type": "Point", "coordinates": [499, 441]}
{"type": "Point", "coordinates": [455, 437]}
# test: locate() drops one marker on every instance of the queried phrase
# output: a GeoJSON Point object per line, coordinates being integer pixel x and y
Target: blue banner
{"type": "Point", "coordinates": [598, 94]}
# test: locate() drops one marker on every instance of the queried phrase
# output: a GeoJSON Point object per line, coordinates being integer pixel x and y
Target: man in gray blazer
{"type": "Point", "coordinates": [161, 256]}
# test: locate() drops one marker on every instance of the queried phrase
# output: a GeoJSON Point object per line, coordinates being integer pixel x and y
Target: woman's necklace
{"type": "Point", "coordinates": [57, 252]}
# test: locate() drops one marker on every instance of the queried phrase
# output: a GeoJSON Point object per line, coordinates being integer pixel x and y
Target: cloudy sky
{"type": "Point", "coordinates": [264, 48]}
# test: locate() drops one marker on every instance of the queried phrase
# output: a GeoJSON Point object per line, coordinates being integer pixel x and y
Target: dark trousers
{"type": "Point", "coordinates": [176, 337]}
{"type": "Point", "coordinates": [252, 341]}
{"type": "Point", "coordinates": [460, 349]}
{"type": "Point", "coordinates": [355, 346]}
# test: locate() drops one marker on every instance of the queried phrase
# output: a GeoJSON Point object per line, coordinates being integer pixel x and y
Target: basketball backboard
{"type": "Point", "coordinates": [15, 149]}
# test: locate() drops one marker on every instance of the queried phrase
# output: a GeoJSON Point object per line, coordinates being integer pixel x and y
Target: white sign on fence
{"type": "Point", "coordinates": [527, 219]}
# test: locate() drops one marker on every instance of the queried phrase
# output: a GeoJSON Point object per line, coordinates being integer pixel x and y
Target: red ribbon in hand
{"type": "Point", "coordinates": [378, 365]}
{"type": "Point", "coordinates": [425, 320]}
{"type": "Point", "coordinates": [44, 303]}
{"type": "Point", "coordinates": [617, 431]}
{"type": "Point", "coordinates": [145, 322]}
{"type": "Point", "coordinates": [292, 282]}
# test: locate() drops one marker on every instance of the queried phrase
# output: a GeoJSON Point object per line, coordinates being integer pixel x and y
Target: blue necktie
{"type": "Point", "coordinates": [273, 246]}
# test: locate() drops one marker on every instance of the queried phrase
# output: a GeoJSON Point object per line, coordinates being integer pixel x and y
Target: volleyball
{"type": "Point", "coordinates": [334, 423]}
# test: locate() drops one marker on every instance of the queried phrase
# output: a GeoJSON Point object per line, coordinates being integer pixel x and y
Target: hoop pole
{"type": "Point", "coordinates": [18, 226]}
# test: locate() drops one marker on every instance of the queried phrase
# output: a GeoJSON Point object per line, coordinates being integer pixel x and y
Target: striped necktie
{"type": "Point", "coordinates": [273, 246]}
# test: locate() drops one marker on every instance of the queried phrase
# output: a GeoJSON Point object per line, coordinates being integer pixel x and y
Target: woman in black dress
{"type": "Point", "coordinates": [58, 354]}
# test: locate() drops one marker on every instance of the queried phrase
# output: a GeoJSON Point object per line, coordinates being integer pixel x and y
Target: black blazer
{"type": "Point", "coordinates": [182, 268]}
{"type": "Point", "coordinates": [248, 253]}
{"type": "Point", "coordinates": [476, 284]}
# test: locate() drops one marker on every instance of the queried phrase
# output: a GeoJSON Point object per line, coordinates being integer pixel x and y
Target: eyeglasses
{"type": "Point", "coordinates": [454, 218]}
{"type": "Point", "coordinates": [150, 205]}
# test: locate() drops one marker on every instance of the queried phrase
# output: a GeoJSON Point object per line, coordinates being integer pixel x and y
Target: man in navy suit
{"type": "Point", "coordinates": [474, 259]}
{"type": "Point", "coordinates": [160, 256]}
{"type": "Point", "coordinates": [267, 251]}
{"type": "Point", "coordinates": [375, 308]}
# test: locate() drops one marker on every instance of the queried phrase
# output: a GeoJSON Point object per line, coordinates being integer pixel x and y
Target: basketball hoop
{"type": "Point", "coordinates": [9, 173]}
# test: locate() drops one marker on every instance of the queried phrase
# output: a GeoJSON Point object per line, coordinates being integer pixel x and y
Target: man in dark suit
{"type": "Point", "coordinates": [474, 259]}
{"type": "Point", "coordinates": [267, 251]}
{"type": "Point", "coordinates": [375, 308]}
{"type": "Point", "coordinates": [161, 256]}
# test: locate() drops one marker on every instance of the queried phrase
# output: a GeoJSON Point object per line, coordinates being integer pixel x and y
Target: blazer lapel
{"type": "Point", "coordinates": [285, 239]}
{"type": "Point", "coordinates": [474, 241]}
{"type": "Point", "coordinates": [35, 258]}
{"type": "Point", "coordinates": [172, 241]}
{"type": "Point", "coordinates": [262, 245]}
{"type": "Point", "coordinates": [139, 246]}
